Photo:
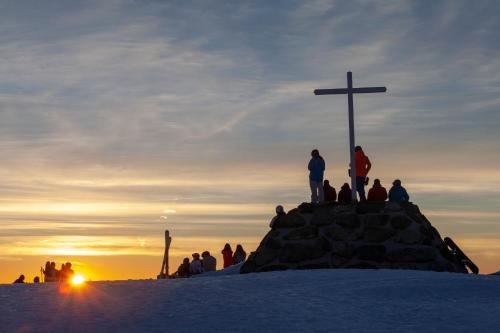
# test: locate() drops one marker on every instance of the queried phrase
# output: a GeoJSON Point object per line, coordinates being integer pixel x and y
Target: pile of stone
{"type": "Point", "coordinates": [363, 235]}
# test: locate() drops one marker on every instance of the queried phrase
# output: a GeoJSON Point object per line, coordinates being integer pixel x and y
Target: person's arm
{"type": "Point", "coordinates": [368, 165]}
{"type": "Point", "coordinates": [309, 166]}
{"type": "Point", "coordinates": [407, 197]}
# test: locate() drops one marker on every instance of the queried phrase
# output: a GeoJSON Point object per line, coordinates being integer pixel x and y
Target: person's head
{"type": "Point", "coordinates": [280, 210]}
{"type": "Point", "coordinates": [68, 265]}
{"type": "Point", "coordinates": [358, 148]}
{"type": "Point", "coordinates": [36, 279]}
{"type": "Point", "coordinates": [227, 247]}
{"type": "Point", "coordinates": [53, 265]}
{"type": "Point", "coordinates": [315, 153]}
{"type": "Point", "coordinates": [63, 267]}
{"type": "Point", "coordinates": [376, 182]}
{"type": "Point", "coordinates": [239, 248]}
{"type": "Point", "coordinates": [185, 261]}
{"type": "Point", "coordinates": [205, 254]}
{"type": "Point", "coordinates": [326, 182]}
{"type": "Point", "coordinates": [47, 264]}
{"type": "Point", "coordinates": [396, 182]}
{"type": "Point", "coordinates": [196, 256]}
{"type": "Point", "coordinates": [346, 186]}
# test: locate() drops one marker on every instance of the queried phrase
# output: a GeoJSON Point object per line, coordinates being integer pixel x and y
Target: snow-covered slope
{"type": "Point", "coordinates": [292, 301]}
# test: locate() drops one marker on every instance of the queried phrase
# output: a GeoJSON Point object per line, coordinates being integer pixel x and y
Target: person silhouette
{"type": "Point", "coordinates": [377, 193]}
{"type": "Point", "coordinates": [345, 194]}
{"type": "Point", "coordinates": [398, 193]}
{"type": "Point", "coordinates": [316, 168]}
{"type": "Point", "coordinates": [20, 279]}
{"type": "Point", "coordinates": [330, 193]}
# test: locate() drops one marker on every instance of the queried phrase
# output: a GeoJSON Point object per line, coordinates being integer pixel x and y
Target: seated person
{"type": "Point", "coordinates": [345, 194]}
{"type": "Point", "coordinates": [183, 270]}
{"type": "Point", "coordinates": [398, 193]}
{"type": "Point", "coordinates": [209, 262]}
{"type": "Point", "coordinates": [195, 266]}
{"type": "Point", "coordinates": [20, 279]}
{"type": "Point", "coordinates": [280, 211]}
{"type": "Point", "coordinates": [377, 193]}
{"type": "Point", "coordinates": [329, 191]}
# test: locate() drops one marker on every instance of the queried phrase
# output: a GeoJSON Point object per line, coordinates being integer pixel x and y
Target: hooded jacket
{"type": "Point", "coordinates": [345, 194]}
{"type": "Point", "coordinates": [377, 193]}
{"type": "Point", "coordinates": [317, 168]}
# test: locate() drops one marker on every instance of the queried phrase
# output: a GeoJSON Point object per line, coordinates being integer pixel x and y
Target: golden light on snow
{"type": "Point", "coordinates": [78, 279]}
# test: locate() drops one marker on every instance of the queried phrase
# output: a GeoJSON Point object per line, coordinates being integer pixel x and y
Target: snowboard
{"type": "Point", "coordinates": [457, 252]}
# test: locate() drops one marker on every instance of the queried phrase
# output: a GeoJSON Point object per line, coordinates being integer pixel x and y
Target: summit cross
{"type": "Point", "coordinates": [350, 91]}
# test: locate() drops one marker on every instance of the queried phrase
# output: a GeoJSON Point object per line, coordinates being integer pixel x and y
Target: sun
{"type": "Point", "coordinates": [77, 279]}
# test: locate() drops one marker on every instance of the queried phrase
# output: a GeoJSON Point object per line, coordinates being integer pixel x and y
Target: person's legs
{"type": "Point", "coordinates": [360, 188]}
{"type": "Point", "coordinates": [314, 191]}
{"type": "Point", "coordinates": [321, 192]}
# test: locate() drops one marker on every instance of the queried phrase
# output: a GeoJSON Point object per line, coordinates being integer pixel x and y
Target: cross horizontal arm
{"type": "Point", "coordinates": [368, 90]}
{"type": "Point", "coordinates": [330, 91]}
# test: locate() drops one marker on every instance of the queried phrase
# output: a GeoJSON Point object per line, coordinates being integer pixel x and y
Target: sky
{"type": "Point", "coordinates": [120, 119]}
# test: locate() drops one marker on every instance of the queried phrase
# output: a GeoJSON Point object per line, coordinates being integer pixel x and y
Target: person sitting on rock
{"type": "Point", "coordinates": [239, 255]}
{"type": "Point", "coordinates": [316, 170]}
{"type": "Point", "coordinates": [195, 265]}
{"type": "Point", "coordinates": [377, 193]}
{"type": "Point", "coordinates": [183, 270]}
{"type": "Point", "coordinates": [227, 254]}
{"type": "Point", "coordinates": [398, 193]}
{"type": "Point", "coordinates": [20, 279]}
{"type": "Point", "coordinates": [330, 193]}
{"type": "Point", "coordinates": [209, 262]}
{"type": "Point", "coordinates": [280, 211]}
{"type": "Point", "coordinates": [345, 194]}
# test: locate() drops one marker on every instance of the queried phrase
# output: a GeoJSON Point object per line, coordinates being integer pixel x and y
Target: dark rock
{"type": "Point", "coordinates": [338, 261]}
{"type": "Point", "coordinates": [362, 265]}
{"type": "Point", "coordinates": [369, 207]}
{"type": "Point", "coordinates": [290, 220]}
{"type": "Point", "coordinates": [306, 208]}
{"type": "Point", "coordinates": [371, 252]}
{"type": "Point", "coordinates": [400, 222]}
{"type": "Point", "coordinates": [297, 252]}
{"type": "Point", "coordinates": [248, 267]}
{"type": "Point", "coordinates": [322, 217]}
{"type": "Point", "coordinates": [343, 249]}
{"type": "Point", "coordinates": [412, 254]}
{"type": "Point", "coordinates": [377, 234]}
{"type": "Point", "coordinates": [338, 233]}
{"type": "Point", "coordinates": [347, 220]}
{"type": "Point", "coordinates": [376, 220]}
{"type": "Point", "coordinates": [264, 257]}
{"type": "Point", "coordinates": [306, 232]}
{"type": "Point", "coordinates": [410, 237]}
{"type": "Point", "coordinates": [271, 243]}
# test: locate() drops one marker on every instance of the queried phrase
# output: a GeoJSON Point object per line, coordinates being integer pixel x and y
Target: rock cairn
{"type": "Point", "coordinates": [364, 235]}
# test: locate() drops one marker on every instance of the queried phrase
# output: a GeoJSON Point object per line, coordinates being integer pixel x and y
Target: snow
{"type": "Point", "coordinates": [294, 301]}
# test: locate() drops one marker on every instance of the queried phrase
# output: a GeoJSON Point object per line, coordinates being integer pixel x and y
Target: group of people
{"type": "Point", "coordinates": [52, 274]}
{"type": "Point", "coordinates": [208, 263]}
{"type": "Point", "coordinates": [321, 190]}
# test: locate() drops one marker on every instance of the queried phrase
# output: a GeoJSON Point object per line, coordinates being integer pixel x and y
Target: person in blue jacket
{"type": "Point", "coordinates": [316, 170]}
{"type": "Point", "coordinates": [398, 193]}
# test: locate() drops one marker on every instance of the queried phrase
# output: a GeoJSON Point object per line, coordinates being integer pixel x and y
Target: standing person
{"type": "Point", "coordinates": [330, 193]}
{"type": "Point", "coordinates": [377, 193]}
{"type": "Point", "coordinates": [227, 254]}
{"type": "Point", "coordinates": [316, 170]}
{"type": "Point", "coordinates": [209, 262]}
{"type": "Point", "coordinates": [398, 193]}
{"type": "Point", "coordinates": [363, 166]}
{"type": "Point", "coordinates": [239, 255]}
{"type": "Point", "coordinates": [195, 265]}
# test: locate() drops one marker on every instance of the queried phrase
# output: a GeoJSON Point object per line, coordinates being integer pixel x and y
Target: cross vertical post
{"type": "Point", "coordinates": [350, 103]}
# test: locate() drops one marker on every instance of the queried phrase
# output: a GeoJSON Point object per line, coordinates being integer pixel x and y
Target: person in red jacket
{"type": "Point", "coordinates": [363, 166]}
{"type": "Point", "coordinates": [227, 254]}
{"type": "Point", "coordinates": [377, 193]}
